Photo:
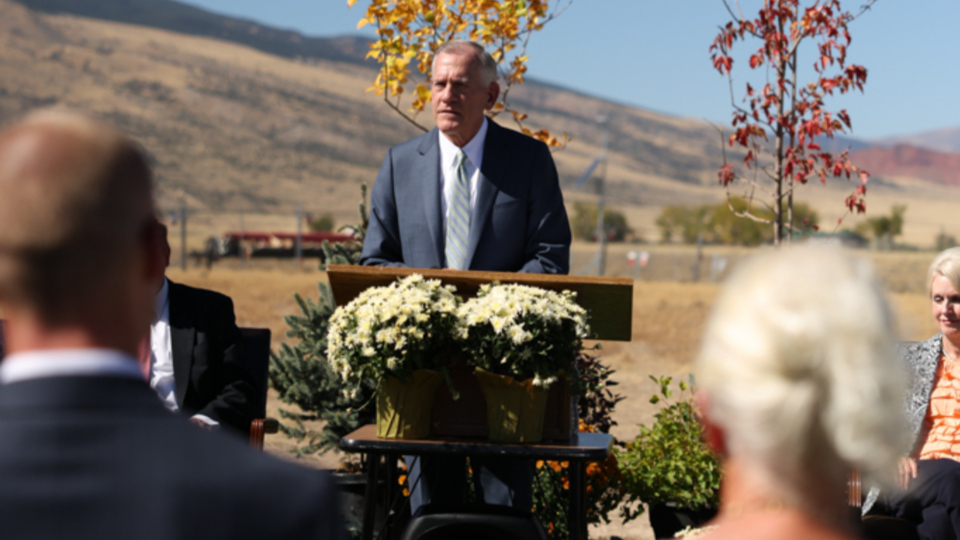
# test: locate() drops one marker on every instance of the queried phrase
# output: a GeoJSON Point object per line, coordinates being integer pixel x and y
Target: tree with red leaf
{"type": "Point", "coordinates": [791, 112]}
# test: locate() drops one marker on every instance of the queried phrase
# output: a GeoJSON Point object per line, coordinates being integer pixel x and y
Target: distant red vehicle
{"type": "Point", "coordinates": [279, 245]}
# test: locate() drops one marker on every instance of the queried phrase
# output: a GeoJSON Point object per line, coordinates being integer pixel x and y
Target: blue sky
{"type": "Point", "coordinates": [654, 54]}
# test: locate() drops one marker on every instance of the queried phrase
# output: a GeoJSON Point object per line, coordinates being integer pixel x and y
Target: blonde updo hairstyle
{"type": "Point", "coordinates": [947, 264]}
{"type": "Point", "coordinates": [799, 369]}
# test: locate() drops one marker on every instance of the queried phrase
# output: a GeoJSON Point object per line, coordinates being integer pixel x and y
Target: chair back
{"type": "Point", "coordinates": [474, 522]}
{"type": "Point", "coordinates": [256, 355]}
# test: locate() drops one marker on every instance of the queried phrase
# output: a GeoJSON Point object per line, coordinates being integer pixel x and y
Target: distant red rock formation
{"type": "Point", "coordinates": [911, 162]}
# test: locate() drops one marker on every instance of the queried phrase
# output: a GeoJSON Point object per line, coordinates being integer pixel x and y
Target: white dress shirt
{"type": "Point", "coordinates": [448, 167]}
{"type": "Point", "coordinates": [161, 355]}
{"type": "Point", "coordinates": [41, 364]}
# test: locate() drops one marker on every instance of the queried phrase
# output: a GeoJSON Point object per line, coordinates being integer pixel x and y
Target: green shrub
{"type": "Point", "coordinates": [584, 223]}
{"type": "Point", "coordinates": [669, 462]}
{"type": "Point", "coordinates": [301, 374]}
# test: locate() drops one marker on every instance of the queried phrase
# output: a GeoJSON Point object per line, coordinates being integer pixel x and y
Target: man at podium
{"type": "Point", "coordinates": [468, 195]}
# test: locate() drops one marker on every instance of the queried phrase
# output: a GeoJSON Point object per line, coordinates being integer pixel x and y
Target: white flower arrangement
{"type": "Point", "coordinates": [392, 330]}
{"type": "Point", "coordinates": [523, 331]}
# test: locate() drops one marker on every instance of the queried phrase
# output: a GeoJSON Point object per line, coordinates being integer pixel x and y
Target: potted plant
{"type": "Point", "coordinates": [400, 337]}
{"type": "Point", "coordinates": [669, 468]}
{"type": "Point", "coordinates": [520, 340]}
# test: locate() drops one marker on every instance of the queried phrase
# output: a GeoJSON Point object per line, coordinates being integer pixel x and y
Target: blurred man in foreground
{"type": "Point", "coordinates": [87, 450]}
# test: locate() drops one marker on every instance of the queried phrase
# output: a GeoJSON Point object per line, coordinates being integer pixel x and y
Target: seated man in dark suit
{"type": "Point", "coordinates": [196, 356]}
{"type": "Point", "coordinates": [86, 450]}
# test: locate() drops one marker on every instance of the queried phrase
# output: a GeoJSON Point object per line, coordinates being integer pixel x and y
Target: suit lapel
{"type": "Point", "coordinates": [429, 174]}
{"type": "Point", "coordinates": [182, 332]}
{"type": "Point", "coordinates": [492, 167]}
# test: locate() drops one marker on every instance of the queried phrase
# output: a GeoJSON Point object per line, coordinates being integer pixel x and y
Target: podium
{"type": "Point", "coordinates": [608, 302]}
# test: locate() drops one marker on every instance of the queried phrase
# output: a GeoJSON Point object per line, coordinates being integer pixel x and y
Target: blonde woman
{"type": "Point", "coordinates": [928, 492]}
{"type": "Point", "coordinates": [799, 382]}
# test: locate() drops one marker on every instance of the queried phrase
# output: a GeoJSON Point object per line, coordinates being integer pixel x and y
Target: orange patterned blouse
{"type": "Point", "coordinates": [942, 422]}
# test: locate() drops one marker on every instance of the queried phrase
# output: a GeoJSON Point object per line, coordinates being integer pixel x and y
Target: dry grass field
{"type": "Point", "coordinates": [668, 319]}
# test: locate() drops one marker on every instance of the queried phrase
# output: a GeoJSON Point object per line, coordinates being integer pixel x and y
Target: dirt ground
{"type": "Point", "coordinates": [668, 319]}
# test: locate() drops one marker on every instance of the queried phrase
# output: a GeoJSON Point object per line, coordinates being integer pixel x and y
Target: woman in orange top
{"type": "Point", "coordinates": [929, 478]}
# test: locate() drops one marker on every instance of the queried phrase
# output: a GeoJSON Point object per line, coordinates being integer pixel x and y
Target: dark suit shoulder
{"type": "Point", "coordinates": [515, 138]}
{"type": "Point", "coordinates": [198, 294]}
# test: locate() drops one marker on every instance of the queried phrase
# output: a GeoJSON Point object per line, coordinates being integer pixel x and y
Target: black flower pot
{"type": "Point", "coordinates": [668, 519]}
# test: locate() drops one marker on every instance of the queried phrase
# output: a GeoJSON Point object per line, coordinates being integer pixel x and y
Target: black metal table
{"type": "Point", "coordinates": [588, 447]}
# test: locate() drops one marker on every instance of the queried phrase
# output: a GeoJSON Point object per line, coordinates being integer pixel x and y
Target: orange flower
{"type": "Point", "coordinates": [402, 479]}
{"type": "Point", "coordinates": [566, 483]}
{"type": "Point", "coordinates": [539, 463]}
{"type": "Point", "coordinates": [564, 464]}
{"type": "Point", "coordinates": [555, 465]}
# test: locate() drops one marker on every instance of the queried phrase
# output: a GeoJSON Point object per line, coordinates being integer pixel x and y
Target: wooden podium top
{"type": "Point", "coordinates": [609, 301]}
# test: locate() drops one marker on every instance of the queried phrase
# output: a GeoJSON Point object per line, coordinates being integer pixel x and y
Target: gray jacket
{"type": "Point", "coordinates": [922, 357]}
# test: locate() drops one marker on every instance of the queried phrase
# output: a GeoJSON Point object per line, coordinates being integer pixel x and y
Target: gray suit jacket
{"type": "Point", "coordinates": [519, 223]}
{"type": "Point", "coordinates": [922, 357]}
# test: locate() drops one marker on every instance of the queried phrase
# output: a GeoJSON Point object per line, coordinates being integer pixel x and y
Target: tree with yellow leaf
{"type": "Point", "coordinates": [410, 31]}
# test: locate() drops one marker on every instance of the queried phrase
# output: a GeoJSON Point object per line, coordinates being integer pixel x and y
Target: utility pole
{"type": "Point", "coordinates": [601, 225]}
{"type": "Point", "coordinates": [298, 247]}
{"type": "Point", "coordinates": [601, 259]}
{"type": "Point", "coordinates": [183, 235]}
{"type": "Point", "coordinates": [241, 244]}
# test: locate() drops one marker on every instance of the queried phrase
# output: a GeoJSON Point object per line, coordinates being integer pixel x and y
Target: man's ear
{"type": "Point", "coordinates": [493, 92]}
{"type": "Point", "coordinates": [713, 435]}
{"type": "Point", "coordinates": [153, 242]}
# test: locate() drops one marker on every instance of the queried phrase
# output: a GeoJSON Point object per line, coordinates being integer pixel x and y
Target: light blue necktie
{"type": "Point", "coordinates": [458, 219]}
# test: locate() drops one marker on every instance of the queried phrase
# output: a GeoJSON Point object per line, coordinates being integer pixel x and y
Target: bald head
{"type": "Point", "coordinates": [76, 216]}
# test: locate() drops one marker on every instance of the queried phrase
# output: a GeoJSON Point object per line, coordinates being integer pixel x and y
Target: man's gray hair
{"type": "Point", "coordinates": [799, 368]}
{"type": "Point", "coordinates": [488, 66]}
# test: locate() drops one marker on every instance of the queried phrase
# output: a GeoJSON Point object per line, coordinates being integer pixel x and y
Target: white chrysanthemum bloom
{"type": "Point", "coordinates": [516, 334]}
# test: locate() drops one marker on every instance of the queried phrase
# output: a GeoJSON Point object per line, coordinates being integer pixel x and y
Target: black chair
{"type": "Point", "coordinates": [256, 353]}
{"type": "Point", "coordinates": [474, 522]}
{"type": "Point", "coordinates": [876, 526]}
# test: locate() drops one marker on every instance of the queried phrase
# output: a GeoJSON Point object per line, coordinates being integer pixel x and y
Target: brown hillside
{"type": "Point", "coordinates": [911, 162]}
{"type": "Point", "coordinates": [233, 129]}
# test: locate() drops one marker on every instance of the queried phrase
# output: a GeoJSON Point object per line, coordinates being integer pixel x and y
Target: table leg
{"type": "Point", "coordinates": [578, 501]}
{"type": "Point", "coordinates": [390, 492]}
{"type": "Point", "coordinates": [370, 496]}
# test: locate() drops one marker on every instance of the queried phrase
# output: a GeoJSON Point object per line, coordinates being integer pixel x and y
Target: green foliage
{"type": "Point", "coordinates": [722, 224]}
{"type": "Point", "coordinates": [683, 222]}
{"type": "Point", "coordinates": [349, 252]}
{"type": "Point", "coordinates": [584, 223]}
{"type": "Point", "coordinates": [669, 462]}
{"type": "Point", "coordinates": [551, 484]}
{"type": "Point", "coordinates": [597, 400]}
{"type": "Point", "coordinates": [303, 377]}
{"type": "Point", "coordinates": [944, 241]}
{"type": "Point", "coordinates": [321, 223]}
{"type": "Point", "coordinates": [883, 229]}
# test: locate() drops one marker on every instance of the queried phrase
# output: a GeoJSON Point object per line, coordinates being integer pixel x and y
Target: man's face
{"type": "Point", "coordinates": [459, 95]}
